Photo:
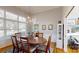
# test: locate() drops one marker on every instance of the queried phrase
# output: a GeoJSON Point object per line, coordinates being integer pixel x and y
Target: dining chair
{"type": "Point", "coordinates": [31, 36]}
{"type": "Point", "coordinates": [44, 48]}
{"type": "Point", "coordinates": [15, 44]}
{"type": "Point", "coordinates": [26, 47]}
{"type": "Point", "coordinates": [39, 34]}
{"type": "Point", "coordinates": [18, 35]}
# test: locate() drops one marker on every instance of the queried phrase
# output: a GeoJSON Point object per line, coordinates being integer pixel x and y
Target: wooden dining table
{"type": "Point", "coordinates": [34, 41]}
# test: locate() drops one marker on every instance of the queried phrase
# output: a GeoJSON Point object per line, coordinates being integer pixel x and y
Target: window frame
{"type": "Point", "coordinates": [5, 29]}
{"type": "Point", "coordinates": [11, 15]}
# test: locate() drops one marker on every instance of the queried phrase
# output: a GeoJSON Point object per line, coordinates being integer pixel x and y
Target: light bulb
{"type": "Point", "coordinates": [30, 20]}
{"type": "Point", "coordinates": [28, 17]}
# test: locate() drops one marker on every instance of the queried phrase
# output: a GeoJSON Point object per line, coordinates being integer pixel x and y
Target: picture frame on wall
{"type": "Point", "coordinates": [43, 27]}
{"type": "Point", "coordinates": [50, 27]}
{"type": "Point", "coordinates": [36, 27]}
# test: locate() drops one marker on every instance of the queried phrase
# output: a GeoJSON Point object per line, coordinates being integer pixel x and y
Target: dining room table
{"type": "Point", "coordinates": [34, 41]}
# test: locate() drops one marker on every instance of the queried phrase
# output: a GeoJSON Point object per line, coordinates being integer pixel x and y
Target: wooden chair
{"type": "Point", "coordinates": [31, 36]}
{"type": "Point", "coordinates": [48, 45]}
{"type": "Point", "coordinates": [18, 35]}
{"type": "Point", "coordinates": [44, 48]}
{"type": "Point", "coordinates": [15, 44]}
{"type": "Point", "coordinates": [26, 47]}
{"type": "Point", "coordinates": [39, 34]}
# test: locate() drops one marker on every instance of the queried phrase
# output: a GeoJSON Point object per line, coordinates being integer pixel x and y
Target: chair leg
{"type": "Point", "coordinates": [13, 50]}
{"type": "Point", "coordinates": [49, 51]}
{"type": "Point", "coordinates": [17, 50]}
{"type": "Point", "coordinates": [36, 50]}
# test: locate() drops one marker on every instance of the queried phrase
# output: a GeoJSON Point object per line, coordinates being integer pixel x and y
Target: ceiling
{"type": "Point", "coordinates": [36, 9]}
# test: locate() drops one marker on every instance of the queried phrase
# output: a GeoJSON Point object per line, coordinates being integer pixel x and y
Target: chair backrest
{"type": "Point", "coordinates": [31, 36]}
{"type": "Point", "coordinates": [18, 35]}
{"type": "Point", "coordinates": [48, 44]}
{"type": "Point", "coordinates": [39, 34]}
{"type": "Point", "coordinates": [25, 42]}
{"type": "Point", "coordinates": [14, 42]}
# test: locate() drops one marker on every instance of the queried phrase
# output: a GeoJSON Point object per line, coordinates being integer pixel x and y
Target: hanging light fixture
{"type": "Point", "coordinates": [29, 17]}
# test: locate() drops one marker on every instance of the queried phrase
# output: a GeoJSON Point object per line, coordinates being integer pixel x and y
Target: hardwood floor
{"type": "Point", "coordinates": [72, 50]}
{"type": "Point", "coordinates": [56, 50]}
{"type": "Point", "coordinates": [4, 49]}
{"type": "Point", "coordinates": [53, 46]}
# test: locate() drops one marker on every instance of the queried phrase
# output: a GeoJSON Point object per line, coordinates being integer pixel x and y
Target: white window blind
{"type": "Point", "coordinates": [11, 16]}
{"type": "Point", "coordinates": [22, 19]}
{"type": "Point", "coordinates": [1, 23]}
{"type": "Point", "coordinates": [11, 23]}
{"type": "Point", "coordinates": [1, 13]}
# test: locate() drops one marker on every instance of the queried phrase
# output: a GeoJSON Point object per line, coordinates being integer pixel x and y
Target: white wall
{"type": "Point", "coordinates": [46, 18]}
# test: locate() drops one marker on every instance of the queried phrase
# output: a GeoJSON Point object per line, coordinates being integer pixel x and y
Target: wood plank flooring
{"type": "Point", "coordinates": [53, 46]}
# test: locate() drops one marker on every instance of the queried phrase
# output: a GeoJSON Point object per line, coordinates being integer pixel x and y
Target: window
{"type": "Point", "coordinates": [11, 25]}
{"type": "Point", "coordinates": [1, 33]}
{"type": "Point", "coordinates": [1, 23]}
{"type": "Point", "coordinates": [10, 32]}
{"type": "Point", "coordinates": [22, 19]}
{"type": "Point", "coordinates": [22, 30]}
{"type": "Point", "coordinates": [1, 13]}
{"type": "Point", "coordinates": [11, 16]}
{"type": "Point", "coordinates": [22, 27]}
